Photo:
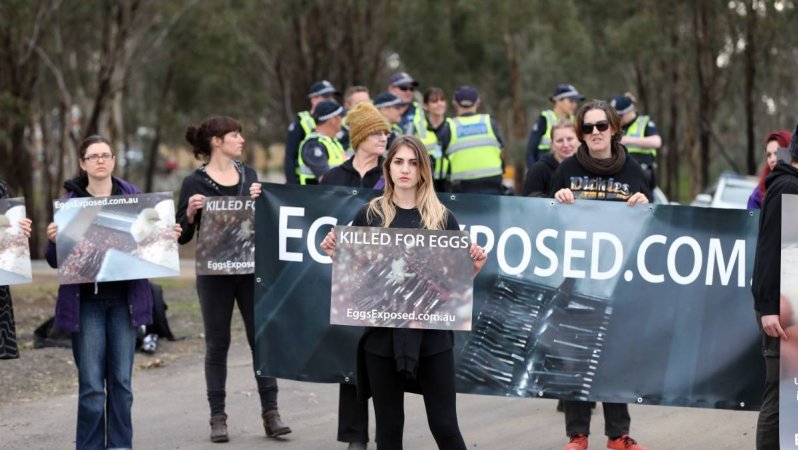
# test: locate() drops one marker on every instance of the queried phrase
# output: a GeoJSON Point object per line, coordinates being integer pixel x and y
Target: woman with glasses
{"type": "Point", "coordinates": [391, 358]}
{"type": "Point", "coordinates": [218, 142]}
{"type": "Point", "coordinates": [600, 170]}
{"type": "Point", "coordinates": [102, 317]}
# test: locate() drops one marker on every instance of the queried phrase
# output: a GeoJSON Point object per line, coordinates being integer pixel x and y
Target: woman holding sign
{"type": "Point", "coordinates": [219, 143]}
{"type": "Point", "coordinates": [600, 170]}
{"type": "Point", "coordinates": [8, 335]}
{"type": "Point", "coordinates": [102, 317]}
{"type": "Point", "coordinates": [388, 358]}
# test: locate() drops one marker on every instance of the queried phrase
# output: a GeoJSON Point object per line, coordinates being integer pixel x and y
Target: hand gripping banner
{"type": "Point", "coordinates": [595, 300]}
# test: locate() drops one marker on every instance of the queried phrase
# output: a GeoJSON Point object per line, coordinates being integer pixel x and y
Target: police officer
{"type": "Point", "coordinates": [303, 125]}
{"type": "Point", "coordinates": [402, 85]}
{"type": "Point", "coordinates": [427, 124]}
{"type": "Point", "coordinates": [353, 96]}
{"type": "Point", "coordinates": [564, 99]}
{"type": "Point", "coordinates": [640, 136]}
{"type": "Point", "coordinates": [473, 145]}
{"type": "Point", "coordinates": [391, 108]}
{"type": "Point", "coordinates": [320, 151]}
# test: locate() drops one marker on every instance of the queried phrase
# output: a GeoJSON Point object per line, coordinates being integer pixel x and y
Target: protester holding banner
{"type": "Point", "coordinates": [600, 170]}
{"type": "Point", "coordinates": [219, 143]}
{"type": "Point", "coordinates": [563, 143]}
{"type": "Point", "coordinates": [102, 317]}
{"type": "Point", "coordinates": [391, 358]}
{"type": "Point", "coordinates": [368, 133]}
{"type": "Point", "coordinates": [8, 334]}
{"type": "Point", "coordinates": [774, 141]}
{"type": "Point", "coordinates": [767, 289]}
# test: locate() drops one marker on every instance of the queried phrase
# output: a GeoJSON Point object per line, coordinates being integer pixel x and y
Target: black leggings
{"type": "Point", "coordinates": [217, 294]}
{"type": "Point", "coordinates": [436, 378]}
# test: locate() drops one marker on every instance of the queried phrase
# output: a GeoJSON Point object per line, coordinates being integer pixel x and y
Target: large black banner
{"type": "Point", "coordinates": [595, 300]}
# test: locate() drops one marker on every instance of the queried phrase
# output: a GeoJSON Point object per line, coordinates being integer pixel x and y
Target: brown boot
{"type": "Point", "coordinates": [273, 425]}
{"type": "Point", "coordinates": [219, 428]}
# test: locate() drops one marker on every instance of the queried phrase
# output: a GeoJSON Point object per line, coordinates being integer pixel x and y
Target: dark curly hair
{"type": "Point", "coordinates": [200, 136]}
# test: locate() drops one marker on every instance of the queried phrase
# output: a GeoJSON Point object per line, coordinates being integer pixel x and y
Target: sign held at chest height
{"type": "Point", "coordinates": [226, 242]}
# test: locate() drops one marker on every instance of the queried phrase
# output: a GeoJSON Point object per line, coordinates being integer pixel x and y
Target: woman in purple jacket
{"type": "Point", "coordinates": [102, 318]}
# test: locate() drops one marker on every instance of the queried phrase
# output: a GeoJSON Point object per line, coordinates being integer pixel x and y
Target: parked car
{"type": "Point", "coordinates": [731, 191]}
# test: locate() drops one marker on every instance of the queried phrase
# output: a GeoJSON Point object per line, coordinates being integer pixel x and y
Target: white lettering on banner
{"type": "Point", "coordinates": [546, 253]}
{"type": "Point", "coordinates": [526, 255]}
{"type": "Point", "coordinates": [595, 273]}
{"type": "Point", "coordinates": [314, 228]}
{"type": "Point", "coordinates": [641, 258]}
{"type": "Point", "coordinates": [571, 254]}
{"type": "Point", "coordinates": [716, 253]}
{"type": "Point", "coordinates": [697, 256]}
{"type": "Point", "coordinates": [284, 233]}
{"type": "Point", "coordinates": [490, 239]}
{"type": "Point", "coordinates": [540, 255]}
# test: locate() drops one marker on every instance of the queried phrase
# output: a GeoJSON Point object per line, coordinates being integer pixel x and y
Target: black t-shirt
{"type": "Point", "coordinates": [347, 175]}
{"type": "Point", "coordinates": [538, 178]}
{"type": "Point", "coordinates": [591, 186]}
{"type": "Point", "coordinates": [229, 191]}
{"type": "Point", "coordinates": [379, 341]}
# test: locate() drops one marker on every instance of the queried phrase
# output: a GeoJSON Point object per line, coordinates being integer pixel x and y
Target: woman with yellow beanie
{"type": "Point", "coordinates": [368, 134]}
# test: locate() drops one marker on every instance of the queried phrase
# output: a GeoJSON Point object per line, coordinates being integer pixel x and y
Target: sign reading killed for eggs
{"type": "Point", "coordinates": [226, 242]}
{"type": "Point", "coordinates": [401, 278]}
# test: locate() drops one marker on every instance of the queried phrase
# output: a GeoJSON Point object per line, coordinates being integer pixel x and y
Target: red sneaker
{"type": "Point", "coordinates": [577, 442]}
{"type": "Point", "coordinates": [624, 443]}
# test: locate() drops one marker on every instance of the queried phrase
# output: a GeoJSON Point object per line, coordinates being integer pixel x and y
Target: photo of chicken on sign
{"type": "Point", "coordinates": [121, 237]}
{"type": "Point", "coordinates": [14, 250]}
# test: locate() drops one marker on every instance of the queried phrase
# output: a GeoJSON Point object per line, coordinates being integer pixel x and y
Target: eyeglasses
{"type": "Point", "coordinates": [405, 88]}
{"type": "Point", "coordinates": [380, 134]}
{"type": "Point", "coordinates": [601, 125]}
{"type": "Point", "coordinates": [99, 157]}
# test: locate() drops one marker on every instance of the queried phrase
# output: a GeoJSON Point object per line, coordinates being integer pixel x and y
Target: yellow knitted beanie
{"type": "Point", "coordinates": [363, 120]}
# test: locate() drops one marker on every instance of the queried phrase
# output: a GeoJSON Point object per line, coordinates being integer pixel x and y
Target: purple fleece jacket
{"type": "Point", "coordinates": [67, 307]}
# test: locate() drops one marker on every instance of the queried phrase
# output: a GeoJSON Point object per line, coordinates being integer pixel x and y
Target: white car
{"type": "Point", "coordinates": [731, 191]}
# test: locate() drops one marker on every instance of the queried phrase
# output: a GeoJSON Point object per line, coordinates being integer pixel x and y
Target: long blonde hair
{"type": "Point", "coordinates": [432, 211]}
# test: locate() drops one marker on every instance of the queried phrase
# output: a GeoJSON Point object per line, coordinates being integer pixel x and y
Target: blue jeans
{"type": "Point", "coordinates": [103, 350]}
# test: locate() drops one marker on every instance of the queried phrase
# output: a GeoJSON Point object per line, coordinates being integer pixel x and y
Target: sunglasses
{"type": "Point", "coordinates": [405, 88]}
{"type": "Point", "coordinates": [601, 125]}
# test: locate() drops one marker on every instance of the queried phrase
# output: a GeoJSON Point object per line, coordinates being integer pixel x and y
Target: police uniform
{"type": "Point", "coordinates": [318, 152]}
{"type": "Point", "coordinates": [300, 128]}
{"type": "Point", "coordinates": [643, 126]}
{"type": "Point", "coordinates": [429, 137]}
{"type": "Point", "coordinates": [472, 144]}
{"type": "Point", "coordinates": [540, 137]}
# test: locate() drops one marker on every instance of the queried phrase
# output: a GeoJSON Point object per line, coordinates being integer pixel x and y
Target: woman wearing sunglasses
{"type": "Point", "coordinates": [611, 175]}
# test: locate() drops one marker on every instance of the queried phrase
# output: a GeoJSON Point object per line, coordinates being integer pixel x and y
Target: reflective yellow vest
{"type": "Point", "coordinates": [473, 151]}
{"type": "Point", "coordinates": [638, 130]}
{"type": "Point", "coordinates": [545, 140]}
{"type": "Point", "coordinates": [307, 122]}
{"type": "Point", "coordinates": [335, 156]}
{"type": "Point", "coordinates": [440, 168]}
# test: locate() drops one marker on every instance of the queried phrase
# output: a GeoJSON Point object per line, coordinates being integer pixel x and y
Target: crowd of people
{"type": "Point", "coordinates": [601, 150]}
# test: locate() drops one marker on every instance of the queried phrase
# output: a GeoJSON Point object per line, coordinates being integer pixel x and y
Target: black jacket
{"type": "Point", "coordinates": [198, 182]}
{"type": "Point", "coordinates": [347, 175]}
{"type": "Point", "coordinates": [766, 284]}
{"type": "Point", "coordinates": [538, 178]}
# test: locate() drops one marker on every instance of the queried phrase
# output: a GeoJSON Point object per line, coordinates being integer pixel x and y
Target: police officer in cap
{"type": "Point", "coordinates": [391, 107]}
{"type": "Point", "coordinates": [402, 85]}
{"type": "Point", "coordinates": [473, 145]}
{"type": "Point", "coordinates": [320, 151]}
{"type": "Point", "coordinates": [564, 100]}
{"type": "Point", "coordinates": [640, 136]}
{"type": "Point", "coordinates": [303, 125]}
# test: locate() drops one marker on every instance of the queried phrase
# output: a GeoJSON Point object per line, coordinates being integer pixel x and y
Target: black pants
{"type": "Point", "coordinates": [767, 425]}
{"type": "Point", "coordinates": [353, 415]}
{"type": "Point", "coordinates": [436, 379]}
{"type": "Point", "coordinates": [217, 295]}
{"type": "Point", "coordinates": [577, 418]}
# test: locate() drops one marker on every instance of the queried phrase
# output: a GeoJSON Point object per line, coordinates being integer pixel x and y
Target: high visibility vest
{"type": "Point", "coordinates": [545, 140]}
{"type": "Point", "coordinates": [638, 130]}
{"type": "Point", "coordinates": [411, 127]}
{"type": "Point", "coordinates": [307, 122]}
{"type": "Point", "coordinates": [474, 151]}
{"type": "Point", "coordinates": [335, 156]}
{"type": "Point", "coordinates": [440, 167]}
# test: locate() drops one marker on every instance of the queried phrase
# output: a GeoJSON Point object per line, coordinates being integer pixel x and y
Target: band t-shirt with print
{"type": "Point", "coordinates": [591, 186]}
